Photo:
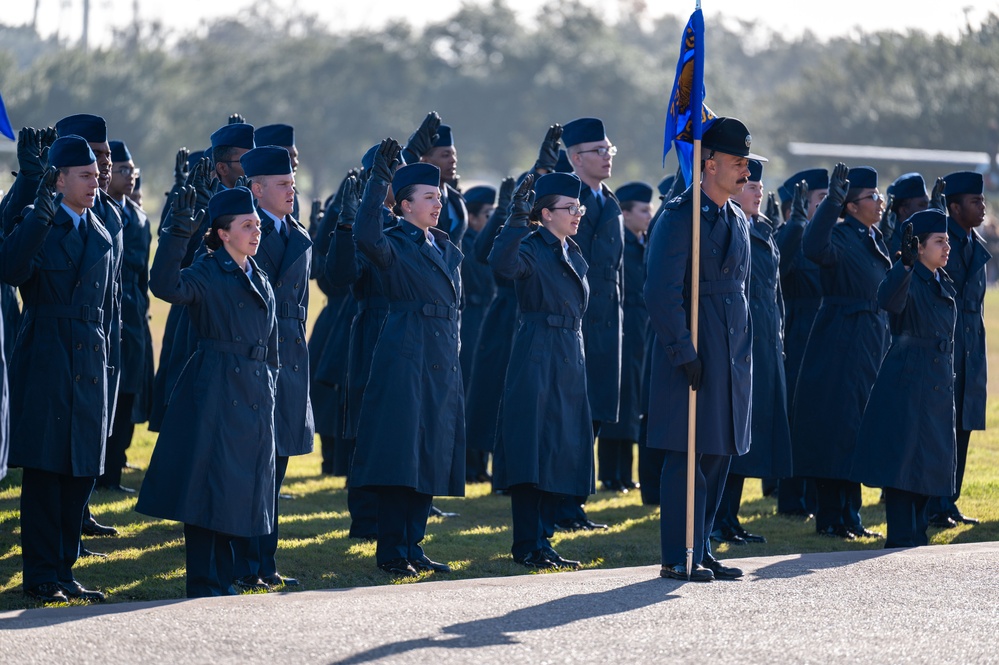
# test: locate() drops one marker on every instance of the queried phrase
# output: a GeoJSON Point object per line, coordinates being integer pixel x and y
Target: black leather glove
{"type": "Point", "coordinates": [505, 196]}
{"type": "Point", "coordinates": [47, 202]}
{"type": "Point", "coordinates": [937, 196]}
{"type": "Point", "coordinates": [423, 139]}
{"type": "Point", "coordinates": [316, 214]}
{"type": "Point", "coordinates": [773, 210]}
{"type": "Point", "coordinates": [242, 181]}
{"type": "Point", "coordinates": [351, 200]}
{"type": "Point", "coordinates": [694, 371]}
{"type": "Point", "coordinates": [180, 168]}
{"type": "Point", "coordinates": [523, 202]}
{"type": "Point", "coordinates": [799, 204]}
{"type": "Point", "coordinates": [910, 247]}
{"type": "Point", "coordinates": [386, 160]}
{"type": "Point", "coordinates": [548, 155]}
{"type": "Point", "coordinates": [29, 150]}
{"type": "Point", "coordinates": [184, 221]}
{"type": "Point", "coordinates": [201, 181]}
{"type": "Point", "coordinates": [889, 220]}
{"type": "Point", "coordinates": [838, 184]}
{"type": "Point", "coordinates": [236, 119]}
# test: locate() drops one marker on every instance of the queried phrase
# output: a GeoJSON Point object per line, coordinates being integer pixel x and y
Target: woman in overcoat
{"type": "Point", "coordinates": [213, 465]}
{"type": "Point", "coordinates": [907, 441]}
{"type": "Point", "coordinates": [845, 347]}
{"type": "Point", "coordinates": [545, 436]}
{"type": "Point", "coordinates": [411, 434]}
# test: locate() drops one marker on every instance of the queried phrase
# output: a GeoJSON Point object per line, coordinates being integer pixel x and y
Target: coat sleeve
{"type": "Point", "coordinates": [368, 232]}
{"type": "Point", "coordinates": [342, 266]}
{"type": "Point", "coordinates": [788, 240]}
{"type": "Point", "coordinates": [816, 242]}
{"type": "Point", "coordinates": [484, 241]}
{"type": "Point", "coordinates": [893, 293]}
{"type": "Point", "coordinates": [506, 258]}
{"type": "Point", "coordinates": [666, 264]}
{"type": "Point", "coordinates": [20, 196]}
{"type": "Point", "coordinates": [167, 281]}
{"type": "Point", "coordinates": [20, 254]}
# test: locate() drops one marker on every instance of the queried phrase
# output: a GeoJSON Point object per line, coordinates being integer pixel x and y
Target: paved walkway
{"type": "Point", "coordinates": [926, 605]}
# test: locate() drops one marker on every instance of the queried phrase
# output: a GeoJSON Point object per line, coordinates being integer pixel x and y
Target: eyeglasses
{"type": "Point", "coordinates": [573, 209]}
{"type": "Point", "coordinates": [128, 170]}
{"type": "Point", "coordinates": [874, 196]}
{"type": "Point", "coordinates": [603, 151]}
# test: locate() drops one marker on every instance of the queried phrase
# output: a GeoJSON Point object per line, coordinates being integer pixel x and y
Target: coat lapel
{"type": "Point", "coordinates": [98, 243]}
{"type": "Point", "coordinates": [298, 244]}
{"type": "Point", "coordinates": [71, 242]}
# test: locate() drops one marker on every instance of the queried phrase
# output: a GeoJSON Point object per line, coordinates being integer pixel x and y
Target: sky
{"type": "Point", "coordinates": [791, 17]}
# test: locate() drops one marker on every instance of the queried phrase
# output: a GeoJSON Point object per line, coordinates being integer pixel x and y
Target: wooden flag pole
{"type": "Point", "coordinates": [695, 292]}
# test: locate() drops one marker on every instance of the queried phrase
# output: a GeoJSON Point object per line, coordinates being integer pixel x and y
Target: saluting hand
{"type": "Point", "coordinates": [201, 180]}
{"type": "Point", "coordinates": [937, 196]}
{"type": "Point", "coordinates": [910, 246]}
{"type": "Point", "coordinates": [351, 200]}
{"type": "Point", "coordinates": [888, 219]}
{"type": "Point", "coordinates": [180, 168]}
{"type": "Point", "coordinates": [423, 139]}
{"type": "Point", "coordinates": [548, 155]}
{"type": "Point", "coordinates": [46, 200]}
{"type": "Point", "coordinates": [316, 215]}
{"type": "Point", "coordinates": [242, 181]}
{"type": "Point", "coordinates": [799, 204]}
{"type": "Point", "coordinates": [773, 210]}
{"type": "Point", "coordinates": [29, 152]}
{"type": "Point", "coordinates": [523, 202]}
{"type": "Point", "coordinates": [184, 221]}
{"type": "Point", "coordinates": [838, 184]}
{"type": "Point", "coordinates": [505, 196]}
{"type": "Point", "coordinates": [236, 119]}
{"type": "Point", "coordinates": [694, 371]}
{"type": "Point", "coordinates": [386, 160]}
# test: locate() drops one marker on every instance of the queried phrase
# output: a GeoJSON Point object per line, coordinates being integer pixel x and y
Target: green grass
{"type": "Point", "coordinates": [146, 561]}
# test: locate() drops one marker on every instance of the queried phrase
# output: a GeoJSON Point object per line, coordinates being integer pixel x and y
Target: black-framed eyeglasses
{"type": "Point", "coordinates": [128, 170]}
{"type": "Point", "coordinates": [874, 196]}
{"type": "Point", "coordinates": [603, 151]}
{"type": "Point", "coordinates": [572, 208]}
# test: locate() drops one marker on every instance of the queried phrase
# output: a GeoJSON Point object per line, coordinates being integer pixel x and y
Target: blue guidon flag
{"type": "Point", "coordinates": [5, 127]}
{"type": "Point", "coordinates": [682, 126]}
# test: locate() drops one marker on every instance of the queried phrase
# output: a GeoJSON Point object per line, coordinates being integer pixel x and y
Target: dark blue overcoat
{"type": "Point", "coordinates": [480, 288]}
{"type": "Point", "coordinates": [907, 438]}
{"type": "Point", "coordinates": [725, 336]}
{"type": "Point", "coordinates": [213, 464]}
{"type": "Point", "coordinates": [492, 351]}
{"type": "Point", "coordinates": [545, 430]}
{"type": "Point", "coordinates": [634, 344]}
{"type": "Point", "coordinates": [411, 431]}
{"type": "Point", "coordinates": [970, 363]}
{"type": "Point", "coordinates": [845, 347]}
{"type": "Point", "coordinates": [136, 339]}
{"type": "Point", "coordinates": [287, 264]}
{"type": "Point", "coordinates": [601, 239]}
{"type": "Point", "coordinates": [60, 388]}
{"type": "Point", "coordinates": [769, 455]}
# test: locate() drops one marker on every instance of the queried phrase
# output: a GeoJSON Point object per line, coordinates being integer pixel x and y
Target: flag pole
{"type": "Point", "coordinates": [695, 292]}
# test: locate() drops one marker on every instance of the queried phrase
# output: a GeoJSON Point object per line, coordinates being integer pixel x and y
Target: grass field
{"type": "Point", "coordinates": [146, 561]}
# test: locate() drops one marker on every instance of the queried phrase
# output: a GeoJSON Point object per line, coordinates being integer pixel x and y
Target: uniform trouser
{"type": "Point", "coordinates": [257, 555]}
{"type": "Point", "coordinates": [796, 494]}
{"type": "Point", "coordinates": [709, 482]}
{"type": "Point", "coordinates": [402, 523]}
{"type": "Point", "coordinates": [650, 468]}
{"type": "Point", "coordinates": [838, 504]}
{"type": "Point", "coordinates": [570, 508]}
{"type": "Point", "coordinates": [906, 514]}
{"type": "Point", "coordinates": [533, 518]}
{"type": "Point", "coordinates": [337, 453]}
{"type": "Point", "coordinates": [118, 442]}
{"type": "Point", "coordinates": [362, 503]}
{"type": "Point", "coordinates": [476, 463]}
{"type": "Point", "coordinates": [51, 518]}
{"type": "Point", "coordinates": [947, 505]}
{"type": "Point", "coordinates": [615, 458]}
{"type": "Point", "coordinates": [209, 562]}
{"type": "Point", "coordinates": [728, 509]}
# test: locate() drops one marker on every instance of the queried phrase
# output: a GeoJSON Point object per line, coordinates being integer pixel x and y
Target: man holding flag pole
{"type": "Point", "coordinates": [701, 385]}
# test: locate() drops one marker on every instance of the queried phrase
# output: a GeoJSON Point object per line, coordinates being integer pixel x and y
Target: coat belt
{"type": "Point", "coordinates": [292, 311]}
{"type": "Point", "coordinates": [426, 309]}
{"type": "Point", "coordinates": [250, 351]}
{"type": "Point", "coordinates": [374, 302]}
{"type": "Point", "coordinates": [79, 312]}
{"type": "Point", "coordinates": [716, 287]}
{"type": "Point", "coordinates": [554, 320]}
{"type": "Point", "coordinates": [852, 305]}
{"type": "Point", "coordinates": [935, 343]}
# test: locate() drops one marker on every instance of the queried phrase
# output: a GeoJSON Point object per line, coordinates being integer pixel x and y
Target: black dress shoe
{"type": "Point", "coordinates": [85, 552]}
{"type": "Point", "coordinates": [960, 518]}
{"type": "Point", "coordinates": [941, 521]}
{"type": "Point", "coordinates": [678, 571]}
{"type": "Point", "coordinates": [749, 537]}
{"type": "Point", "coordinates": [399, 567]}
{"type": "Point", "coordinates": [559, 561]}
{"type": "Point", "coordinates": [536, 560]}
{"type": "Point", "coordinates": [424, 563]}
{"type": "Point", "coordinates": [92, 528]}
{"type": "Point", "coordinates": [720, 571]}
{"type": "Point", "coordinates": [116, 488]}
{"type": "Point", "coordinates": [278, 579]}
{"type": "Point", "coordinates": [590, 525]}
{"type": "Point", "coordinates": [838, 531]}
{"type": "Point", "coordinates": [437, 512]}
{"type": "Point", "coordinates": [250, 583]}
{"type": "Point", "coordinates": [863, 532]}
{"type": "Point", "coordinates": [76, 591]}
{"type": "Point", "coordinates": [49, 592]}
{"type": "Point", "coordinates": [727, 535]}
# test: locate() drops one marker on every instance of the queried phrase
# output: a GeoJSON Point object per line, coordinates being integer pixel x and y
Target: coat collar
{"type": "Point", "coordinates": [254, 284]}
{"type": "Point", "coordinates": [576, 260]}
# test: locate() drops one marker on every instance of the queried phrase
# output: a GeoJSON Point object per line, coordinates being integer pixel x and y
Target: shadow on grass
{"type": "Point", "coordinates": [501, 630]}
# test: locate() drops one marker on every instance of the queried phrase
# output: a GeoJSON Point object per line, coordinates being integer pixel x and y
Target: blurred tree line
{"type": "Point", "coordinates": [500, 82]}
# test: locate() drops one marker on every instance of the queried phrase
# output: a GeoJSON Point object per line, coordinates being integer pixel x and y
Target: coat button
{"type": "Point", "coordinates": [728, 301]}
{"type": "Point", "coordinates": [97, 285]}
{"type": "Point", "coordinates": [240, 305]}
{"type": "Point", "coordinates": [95, 380]}
{"type": "Point", "coordinates": [295, 368]}
{"type": "Point", "coordinates": [238, 338]}
{"type": "Point", "coordinates": [565, 360]}
{"type": "Point", "coordinates": [234, 402]}
{"type": "Point", "coordinates": [725, 270]}
{"type": "Point", "coordinates": [260, 342]}
{"type": "Point", "coordinates": [97, 347]}
{"type": "Point", "coordinates": [79, 346]}
{"type": "Point", "coordinates": [731, 331]}
{"type": "Point", "coordinates": [297, 286]}
{"type": "Point", "coordinates": [454, 368]}
{"type": "Point", "coordinates": [257, 372]}
{"type": "Point", "coordinates": [437, 333]}
{"type": "Point", "coordinates": [236, 370]}
{"type": "Point", "coordinates": [565, 274]}
{"type": "Point", "coordinates": [77, 377]}
{"type": "Point", "coordinates": [278, 285]}
{"type": "Point", "coordinates": [255, 407]}
{"type": "Point", "coordinates": [298, 340]}
{"type": "Point", "coordinates": [437, 366]}
{"type": "Point", "coordinates": [281, 339]}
